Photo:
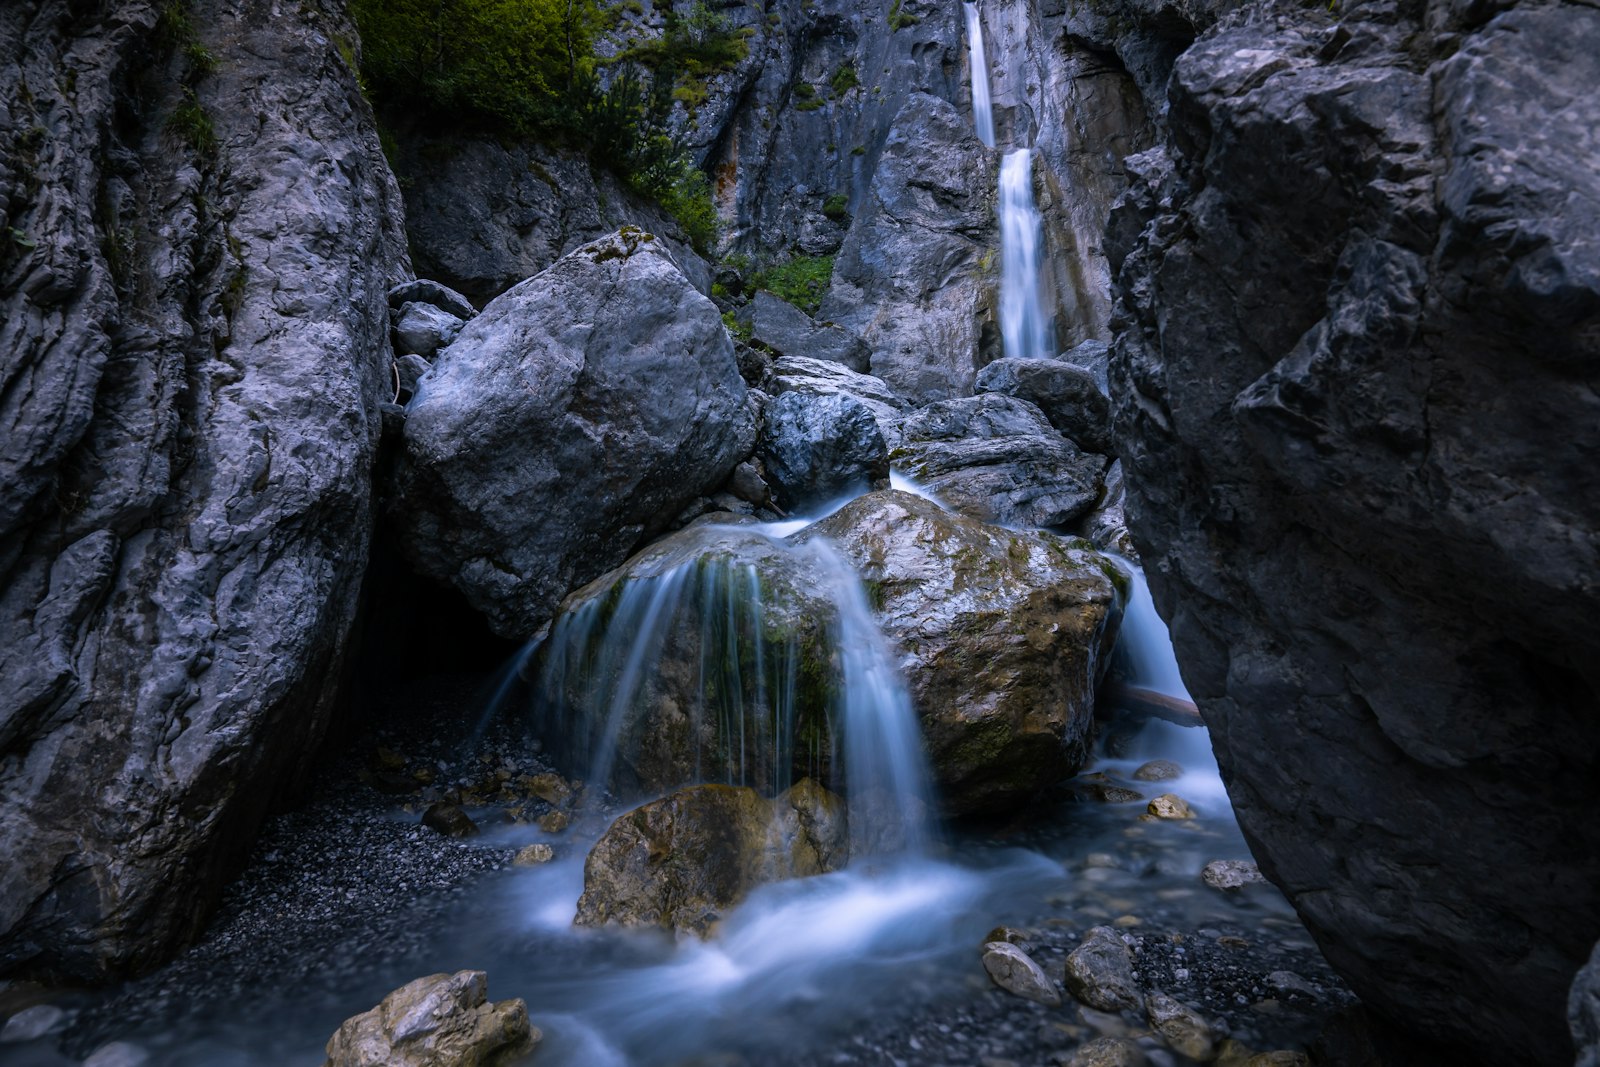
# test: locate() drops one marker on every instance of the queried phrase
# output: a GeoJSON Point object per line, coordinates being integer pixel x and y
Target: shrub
{"type": "Point", "coordinates": [801, 280]}
{"type": "Point", "coordinates": [837, 207]}
{"type": "Point", "coordinates": [844, 79]}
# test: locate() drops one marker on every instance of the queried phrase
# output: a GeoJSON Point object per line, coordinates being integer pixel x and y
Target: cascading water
{"type": "Point", "coordinates": [982, 103]}
{"type": "Point", "coordinates": [1023, 328]}
{"type": "Point", "coordinates": [739, 657]}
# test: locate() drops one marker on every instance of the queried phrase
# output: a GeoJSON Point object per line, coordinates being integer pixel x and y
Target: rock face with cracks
{"type": "Point", "coordinates": [1360, 289]}
{"type": "Point", "coordinates": [443, 1020]}
{"type": "Point", "coordinates": [193, 350]}
{"type": "Point", "coordinates": [1002, 633]}
{"type": "Point", "coordinates": [624, 376]}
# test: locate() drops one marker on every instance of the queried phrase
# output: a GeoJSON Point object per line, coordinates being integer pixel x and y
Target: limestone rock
{"type": "Point", "coordinates": [423, 329]}
{"type": "Point", "coordinates": [1375, 593]}
{"type": "Point", "coordinates": [1170, 806]}
{"type": "Point", "coordinates": [1106, 1052]}
{"type": "Point", "coordinates": [680, 862]}
{"type": "Point", "coordinates": [789, 331]}
{"type": "Point", "coordinates": [435, 294]}
{"type": "Point", "coordinates": [818, 448]}
{"type": "Point", "coordinates": [821, 378]}
{"type": "Point", "coordinates": [1157, 770]}
{"type": "Point", "coordinates": [1099, 972]}
{"type": "Point", "coordinates": [1068, 395]}
{"type": "Point", "coordinates": [1003, 632]}
{"type": "Point", "coordinates": [443, 1020]}
{"type": "Point", "coordinates": [517, 494]}
{"type": "Point", "coordinates": [1016, 972]}
{"type": "Point", "coordinates": [1231, 874]}
{"type": "Point", "coordinates": [533, 855]}
{"type": "Point", "coordinates": [1184, 1030]}
{"type": "Point", "coordinates": [194, 332]}
{"type": "Point", "coordinates": [998, 459]}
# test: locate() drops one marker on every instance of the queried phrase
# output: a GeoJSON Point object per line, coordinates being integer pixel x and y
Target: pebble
{"type": "Point", "coordinates": [31, 1023]}
{"type": "Point", "coordinates": [1016, 972]}
{"type": "Point", "coordinates": [1105, 1052]}
{"type": "Point", "coordinates": [1183, 1028]}
{"type": "Point", "coordinates": [1158, 770]}
{"type": "Point", "coordinates": [533, 855]}
{"type": "Point", "coordinates": [1170, 806]}
{"type": "Point", "coordinates": [449, 820]}
{"type": "Point", "coordinates": [118, 1054]}
{"type": "Point", "coordinates": [1231, 874]}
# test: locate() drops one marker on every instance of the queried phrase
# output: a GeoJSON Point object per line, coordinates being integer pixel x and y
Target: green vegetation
{"type": "Point", "coordinates": [190, 121]}
{"type": "Point", "coordinates": [899, 20]}
{"type": "Point", "coordinates": [528, 68]}
{"type": "Point", "coordinates": [844, 79]}
{"type": "Point", "coordinates": [801, 280]}
{"type": "Point", "coordinates": [837, 207]}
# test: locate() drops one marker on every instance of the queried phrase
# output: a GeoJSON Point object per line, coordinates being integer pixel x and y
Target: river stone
{"type": "Point", "coordinates": [682, 861]}
{"type": "Point", "coordinates": [1002, 632]}
{"type": "Point", "coordinates": [118, 1054]}
{"type": "Point", "coordinates": [1099, 972]}
{"type": "Point", "coordinates": [449, 820]}
{"type": "Point", "coordinates": [1170, 806]}
{"type": "Point", "coordinates": [1015, 971]}
{"type": "Point", "coordinates": [1157, 770]}
{"type": "Point", "coordinates": [435, 294]}
{"type": "Point", "coordinates": [422, 329]}
{"type": "Point", "coordinates": [517, 494]}
{"type": "Point", "coordinates": [443, 1020]}
{"type": "Point", "coordinates": [195, 342]}
{"type": "Point", "coordinates": [1348, 409]}
{"type": "Point", "coordinates": [29, 1024]}
{"type": "Point", "coordinates": [998, 459]}
{"type": "Point", "coordinates": [533, 855]}
{"type": "Point", "coordinates": [1184, 1030]}
{"type": "Point", "coordinates": [1583, 1012]}
{"type": "Point", "coordinates": [1068, 395]}
{"type": "Point", "coordinates": [818, 448]}
{"type": "Point", "coordinates": [1230, 874]}
{"type": "Point", "coordinates": [1107, 1052]}
{"type": "Point", "coordinates": [789, 331]}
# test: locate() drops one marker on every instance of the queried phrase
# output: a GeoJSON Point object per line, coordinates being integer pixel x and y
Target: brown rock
{"type": "Point", "coordinates": [443, 1020]}
{"type": "Point", "coordinates": [1170, 806]}
{"type": "Point", "coordinates": [449, 820]}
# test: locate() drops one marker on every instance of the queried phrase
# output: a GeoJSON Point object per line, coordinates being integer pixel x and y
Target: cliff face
{"type": "Point", "coordinates": [1359, 292]}
{"type": "Point", "coordinates": [196, 232]}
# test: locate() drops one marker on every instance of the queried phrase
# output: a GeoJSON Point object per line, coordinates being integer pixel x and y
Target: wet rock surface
{"type": "Point", "coordinates": [639, 408]}
{"type": "Point", "coordinates": [816, 449]}
{"type": "Point", "coordinates": [1002, 718]}
{"type": "Point", "coordinates": [1099, 972]}
{"type": "Point", "coordinates": [1068, 395]}
{"type": "Point", "coordinates": [1015, 971]}
{"type": "Point", "coordinates": [1373, 599]}
{"type": "Point", "coordinates": [1583, 1012]}
{"type": "Point", "coordinates": [442, 1020]}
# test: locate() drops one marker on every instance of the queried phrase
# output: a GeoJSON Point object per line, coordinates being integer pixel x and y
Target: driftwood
{"type": "Point", "coordinates": [1149, 703]}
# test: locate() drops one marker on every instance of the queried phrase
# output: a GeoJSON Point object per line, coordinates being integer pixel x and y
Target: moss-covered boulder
{"type": "Point", "coordinates": [680, 862]}
{"type": "Point", "coordinates": [1003, 633]}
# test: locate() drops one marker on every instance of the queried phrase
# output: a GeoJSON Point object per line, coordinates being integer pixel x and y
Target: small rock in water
{"type": "Point", "coordinates": [1015, 971]}
{"type": "Point", "coordinates": [1288, 984]}
{"type": "Point", "coordinates": [449, 820]}
{"type": "Point", "coordinates": [1183, 1028]}
{"type": "Point", "coordinates": [1099, 972]}
{"type": "Point", "coordinates": [443, 1020]}
{"type": "Point", "coordinates": [1006, 933]}
{"type": "Point", "coordinates": [1230, 874]}
{"type": "Point", "coordinates": [1106, 1052]}
{"type": "Point", "coordinates": [533, 855]}
{"type": "Point", "coordinates": [549, 787]}
{"type": "Point", "coordinates": [1170, 806]}
{"type": "Point", "coordinates": [1232, 1053]}
{"type": "Point", "coordinates": [553, 822]}
{"type": "Point", "coordinates": [31, 1023]}
{"type": "Point", "coordinates": [118, 1054]}
{"type": "Point", "coordinates": [1158, 770]}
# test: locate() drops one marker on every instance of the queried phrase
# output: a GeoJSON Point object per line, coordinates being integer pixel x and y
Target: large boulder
{"type": "Point", "coordinates": [908, 279]}
{"type": "Point", "coordinates": [1068, 395]}
{"type": "Point", "coordinates": [576, 415]}
{"type": "Point", "coordinates": [998, 459]}
{"type": "Point", "coordinates": [194, 338]}
{"type": "Point", "coordinates": [1002, 633]}
{"type": "Point", "coordinates": [819, 447]}
{"type": "Point", "coordinates": [1354, 399]}
{"type": "Point", "coordinates": [789, 331]}
{"type": "Point", "coordinates": [443, 1020]}
{"type": "Point", "coordinates": [682, 861]}
{"type": "Point", "coordinates": [820, 377]}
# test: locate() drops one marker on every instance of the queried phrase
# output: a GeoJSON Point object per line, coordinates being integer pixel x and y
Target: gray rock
{"type": "Point", "coordinates": [1107, 524]}
{"type": "Point", "coordinates": [789, 331]}
{"type": "Point", "coordinates": [409, 369]}
{"type": "Point", "coordinates": [1094, 357]}
{"type": "Point", "coordinates": [1002, 717]}
{"type": "Point", "coordinates": [1068, 395]}
{"type": "Point", "coordinates": [908, 280]}
{"type": "Point", "coordinates": [517, 495]}
{"type": "Point", "coordinates": [818, 448]}
{"type": "Point", "coordinates": [1184, 1030]}
{"type": "Point", "coordinates": [748, 484]}
{"type": "Point", "coordinates": [118, 1054]}
{"type": "Point", "coordinates": [195, 347]}
{"type": "Point", "coordinates": [1015, 971]}
{"type": "Point", "coordinates": [819, 377]}
{"type": "Point", "coordinates": [443, 1020]}
{"type": "Point", "coordinates": [1157, 770]}
{"type": "Point", "coordinates": [998, 459]}
{"type": "Point", "coordinates": [1107, 1052]}
{"type": "Point", "coordinates": [30, 1024]}
{"type": "Point", "coordinates": [1364, 374]}
{"type": "Point", "coordinates": [1099, 972]}
{"type": "Point", "coordinates": [424, 329]}
{"type": "Point", "coordinates": [1583, 1012]}
{"type": "Point", "coordinates": [435, 294]}
{"type": "Point", "coordinates": [1231, 874]}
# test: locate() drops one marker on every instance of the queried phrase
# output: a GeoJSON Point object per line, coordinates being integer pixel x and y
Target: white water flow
{"type": "Point", "coordinates": [1023, 328]}
{"type": "Point", "coordinates": [747, 660]}
{"type": "Point", "coordinates": [982, 103]}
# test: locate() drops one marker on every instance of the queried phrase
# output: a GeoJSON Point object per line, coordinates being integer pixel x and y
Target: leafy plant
{"type": "Point", "coordinates": [837, 207]}
{"type": "Point", "coordinates": [844, 79]}
{"type": "Point", "coordinates": [801, 280]}
{"type": "Point", "coordinates": [899, 20]}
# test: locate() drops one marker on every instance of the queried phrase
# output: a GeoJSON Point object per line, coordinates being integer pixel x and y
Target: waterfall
{"type": "Point", "coordinates": [1143, 643]}
{"type": "Point", "coordinates": [741, 658]}
{"type": "Point", "coordinates": [1023, 328]}
{"type": "Point", "coordinates": [982, 104]}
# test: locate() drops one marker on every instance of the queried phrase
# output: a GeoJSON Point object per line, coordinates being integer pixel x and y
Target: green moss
{"type": "Point", "coordinates": [816, 103]}
{"type": "Point", "coordinates": [190, 121]}
{"type": "Point", "coordinates": [739, 328]}
{"type": "Point", "coordinates": [837, 207]}
{"type": "Point", "coordinates": [801, 280]}
{"type": "Point", "coordinates": [899, 20]}
{"type": "Point", "coordinates": [859, 150]}
{"type": "Point", "coordinates": [844, 79]}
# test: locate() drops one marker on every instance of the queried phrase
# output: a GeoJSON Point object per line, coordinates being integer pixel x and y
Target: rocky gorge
{"type": "Point", "coordinates": [419, 535]}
